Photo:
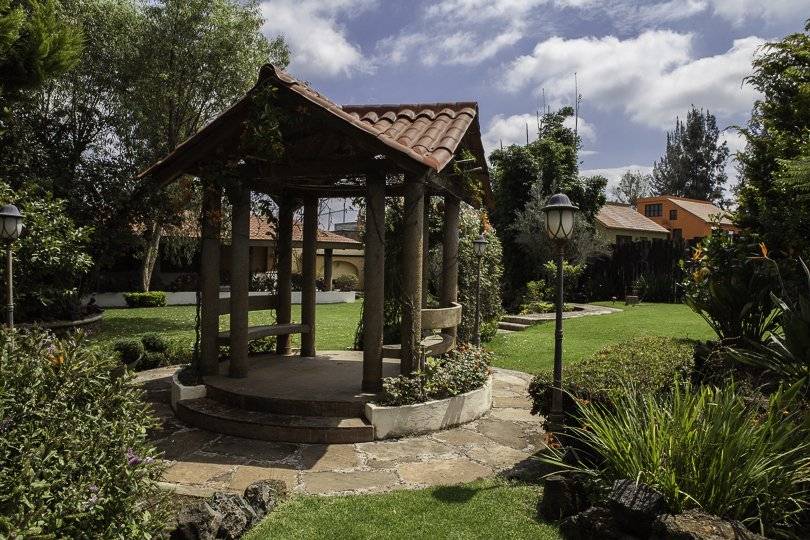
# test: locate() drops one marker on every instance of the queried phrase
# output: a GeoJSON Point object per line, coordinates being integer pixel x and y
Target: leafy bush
{"type": "Point", "coordinates": [649, 363]}
{"type": "Point", "coordinates": [706, 448]}
{"type": "Point", "coordinates": [458, 372]}
{"type": "Point", "coordinates": [145, 299]}
{"type": "Point", "coordinates": [263, 281]}
{"type": "Point", "coordinates": [184, 282]}
{"type": "Point", "coordinates": [154, 342]}
{"type": "Point", "coordinates": [76, 459]}
{"type": "Point", "coordinates": [346, 282]}
{"type": "Point", "coordinates": [129, 350]}
{"type": "Point", "coordinates": [264, 345]}
{"type": "Point", "coordinates": [50, 258]}
{"type": "Point", "coordinates": [729, 289]}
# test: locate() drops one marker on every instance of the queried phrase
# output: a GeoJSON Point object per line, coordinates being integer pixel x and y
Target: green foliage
{"type": "Point", "coordinates": [458, 372]}
{"type": "Point", "coordinates": [540, 296]}
{"type": "Point", "coordinates": [130, 350]}
{"type": "Point", "coordinates": [773, 191]}
{"type": "Point", "coordinates": [36, 44]}
{"type": "Point", "coordinates": [345, 282]}
{"type": "Point", "coordinates": [730, 290]}
{"type": "Point", "coordinates": [707, 448]}
{"type": "Point", "coordinates": [50, 258]}
{"type": "Point", "coordinates": [154, 342]}
{"type": "Point", "coordinates": [73, 444]}
{"type": "Point", "coordinates": [648, 363]}
{"type": "Point", "coordinates": [694, 162]}
{"type": "Point", "coordinates": [632, 186]}
{"type": "Point", "coordinates": [786, 354]}
{"type": "Point", "coordinates": [145, 299]}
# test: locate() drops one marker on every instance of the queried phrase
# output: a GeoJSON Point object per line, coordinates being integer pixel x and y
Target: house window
{"type": "Point", "coordinates": [652, 210]}
{"type": "Point", "coordinates": [622, 239]}
{"type": "Point", "coordinates": [673, 215]}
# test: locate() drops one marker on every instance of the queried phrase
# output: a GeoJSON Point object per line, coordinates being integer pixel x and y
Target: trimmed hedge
{"type": "Point", "coordinates": [145, 299]}
{"type": "Point", "coordinates": [649, 364]}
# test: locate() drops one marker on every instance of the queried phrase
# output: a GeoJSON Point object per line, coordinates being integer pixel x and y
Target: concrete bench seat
{"type": "Point", "coordinates": [256, 332]}
{"type": "Point", "coordinates": [434, 344]}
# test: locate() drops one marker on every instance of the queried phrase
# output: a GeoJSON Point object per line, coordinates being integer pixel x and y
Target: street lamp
{"type": "Point", "coordinates": [559, 218]}
{"type": "Point", "coordinates": [11, 224]}
{"type": "Point", "coordinates": [480, 247]}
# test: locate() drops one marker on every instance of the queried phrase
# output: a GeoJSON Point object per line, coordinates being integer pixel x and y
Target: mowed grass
{"type": "Point", "coordinates": [532, 350]}
{"type": "Point", "coordinates": [489, 508]}
{"type": "Point", "coordinates": [335, 323]}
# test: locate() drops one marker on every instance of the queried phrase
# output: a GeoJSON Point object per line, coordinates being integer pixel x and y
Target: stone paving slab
{"type": "Point", "coordinates": [501, 442]}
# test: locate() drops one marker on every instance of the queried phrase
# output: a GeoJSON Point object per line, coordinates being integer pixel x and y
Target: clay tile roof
{"type": "Point", "coordinates": [705, 210]}
{"type": "Point", "coordinates": [623, 216]}
{"type": "Point", "coordinates": [261, 229]}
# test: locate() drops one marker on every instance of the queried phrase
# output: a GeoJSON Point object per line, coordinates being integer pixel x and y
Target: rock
{"type": "Point", "coordinates": [563, 496]}
{"type": "Point", "coordinates": [595, 522]}
{"type": "Point", "coordinates": [635, 506]}
{"type": "Point", "coordinates": [263, 495]}
{"type": "Point", "coordinates": [697, 525]}
{"type": "Point", "coordinates": [237, 514]}
{"type": "Point", "coordinates": [197, 521]}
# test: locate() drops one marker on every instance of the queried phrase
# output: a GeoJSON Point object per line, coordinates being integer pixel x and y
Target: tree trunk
{"type": "Point", "coordinates": [151, 254]}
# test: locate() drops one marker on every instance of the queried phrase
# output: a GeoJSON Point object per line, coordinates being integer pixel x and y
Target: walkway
{"type": "Point", "coordinates": [516, 323]}
{"type": "Point", "coordinates": [201, 462]}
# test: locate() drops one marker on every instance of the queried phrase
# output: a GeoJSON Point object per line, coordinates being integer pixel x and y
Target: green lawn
{"type": "Point", "coordinates": [484, 509]}
{"type": "Point", "coordinates": [532, 350]}
{"type": "Point", "coordinates": [336, 323]}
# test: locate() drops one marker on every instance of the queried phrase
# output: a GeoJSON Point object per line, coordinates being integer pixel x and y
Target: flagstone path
{"type": "Point", "coordinates": [501, 442]}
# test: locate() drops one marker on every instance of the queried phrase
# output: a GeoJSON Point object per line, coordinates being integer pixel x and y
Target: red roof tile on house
{"type": "Point", "coordinates": [705, 210]}
{"type": "Point", "coordinates": [261, 229]}
{"type": "Point", "coordinates": [625, 217]}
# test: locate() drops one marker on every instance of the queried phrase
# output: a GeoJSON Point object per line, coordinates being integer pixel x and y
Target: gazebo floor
{"type": "Point", "coordinates": [289, 398]}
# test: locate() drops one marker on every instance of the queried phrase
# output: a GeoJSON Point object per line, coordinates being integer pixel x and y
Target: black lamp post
{"type": "Point", "coordinates": [480, 247]}
{"type": "Point", "coordinates": [11, 224]}
{"type": "Point", "coordinates": [559, 214]}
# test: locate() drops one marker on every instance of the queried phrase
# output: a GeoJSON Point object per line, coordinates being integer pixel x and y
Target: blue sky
{"type": "Point", "coordinates": [639, 64]}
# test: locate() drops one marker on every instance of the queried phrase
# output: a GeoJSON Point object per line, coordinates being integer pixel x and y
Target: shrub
{"type": "Point", "coordinates": [184, 282]}
{"type": "Point", "coordinates": [729, 289]}
{"type": "Point", "coordinates": [706, 448]}
{"type": "Point", "coordinates": [346, 282]}
{"type": "Point", "coordinates": [73, 444]}
{"type": "Point", "coordinates": [263, 281]}
{"type": "Point", "coordinates": [458, 372]}
{"type": "Point", "coordinates": [648, 363]}
{"type": "Point", "coordinates": [145, 299]}
{"type": "Point", "coordinates": [154, 342]}
{"type": "Point", "coordinates": [129, 350]}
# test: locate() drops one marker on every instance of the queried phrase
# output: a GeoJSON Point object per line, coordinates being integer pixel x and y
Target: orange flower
{"type": "Point", "coordinates": [763, 249]}
{"type": "Point", "coordinates": [57, 359]}
{"type": "Point", "coordinates": [697, 254]}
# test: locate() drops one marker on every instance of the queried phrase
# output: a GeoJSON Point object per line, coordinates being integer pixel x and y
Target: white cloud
{"type": "Point", "coordinates": [736, 142]}
{"type": "Point", "coordinates": [318, 42]}
{"type": "Point", "coordinates": [509, 130]}
{"type": "Point", "coordinates": [457, 48]}
{"type": "Point", "coordinates": [613, 174]}
{"type": "Point", "coordinates": [652, 77]}
{"type": "Point", "coordinates": [738, 11]}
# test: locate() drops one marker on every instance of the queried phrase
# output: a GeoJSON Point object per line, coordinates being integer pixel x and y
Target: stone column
{"type": "Point", "coordinates": [286, 207]}
{"type": "Point", "coordinates": [425, 251]}
{"type": "Point", "coordinates": [411, 328]}
{"type": "Point", "coordinates": [328, 255]}
{"type": "Point", "coordinates": [449, 292]}
{"type": "Point", "coordinates": [374, 284]}
{"type": "Point", "coordinates": [309, 260]}
{"type": "Point", "coordinates": [240, 281]}
{"type": "Point", "coordinates": [209, 279]}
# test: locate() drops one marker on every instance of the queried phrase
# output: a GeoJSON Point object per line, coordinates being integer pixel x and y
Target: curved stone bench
{"type": "Point", "coordinates": [259, 303]}
{"type": "Point", "coordinates": [433, 319]}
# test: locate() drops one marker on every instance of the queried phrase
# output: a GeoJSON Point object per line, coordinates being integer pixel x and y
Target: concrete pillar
{"type": "Point", "coordinates": [425, 252]}
{"type": "Point", "coordinates": [328, 256]}
{"type": "Point", "coordinates": [449, 292]}
{"type": "Point", "coordinates": [286, 208]}
{"type": "Point", "coordinates": [374, 284]}
{"type": "Point", "coordinates": [309, 260]}
{"type": "Point", "coordinates": [209, 279]}
{"type": "Point", "coordinates": [411, 328]}
{"type": "Point", "coordinates": [240, 281]}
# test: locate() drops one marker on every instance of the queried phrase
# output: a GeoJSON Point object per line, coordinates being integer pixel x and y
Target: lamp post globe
{"type": "Point", "coordinates": [559, 221]}
{"type": "Point", "coordinates": [11, 224]}
{"type": "Point", "coordinates": [479, 247]}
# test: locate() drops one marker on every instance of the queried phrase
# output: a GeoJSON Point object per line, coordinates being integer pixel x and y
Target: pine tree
{"type": "Point", "coordinates": [694, 162]}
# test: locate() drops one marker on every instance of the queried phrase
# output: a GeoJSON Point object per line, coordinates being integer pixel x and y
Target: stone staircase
{"type": "Point", "coordinates": [516, 323]}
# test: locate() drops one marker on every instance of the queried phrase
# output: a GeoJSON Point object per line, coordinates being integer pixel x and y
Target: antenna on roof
{"type": "Point", "coordinates": [501, 144]}
{"type": "Point", "coordinates": [527, 133]}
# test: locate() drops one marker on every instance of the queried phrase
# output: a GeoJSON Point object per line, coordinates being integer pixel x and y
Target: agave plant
{"type": "Point", "coordinates": [786, 354]}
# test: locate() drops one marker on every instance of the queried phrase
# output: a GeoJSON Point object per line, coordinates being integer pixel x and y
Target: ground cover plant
{"type": "Point", "coordinates": [489, 508]}
{"type": "Point", "coordinates": [76, 462]}
{"type": "Point", "coordinates": [708, 448]}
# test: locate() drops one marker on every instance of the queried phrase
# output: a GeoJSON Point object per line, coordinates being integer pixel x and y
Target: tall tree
{"type": "Point", "coordinates": [694, 162]}
{"type": "Point", "coordinates": [632, 186]}
{"type": "Point", "coordinates": [774, 192]}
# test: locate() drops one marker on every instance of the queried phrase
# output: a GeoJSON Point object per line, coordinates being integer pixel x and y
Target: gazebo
{"type": "Point", "coordinates": [414, 151]}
